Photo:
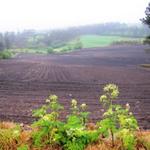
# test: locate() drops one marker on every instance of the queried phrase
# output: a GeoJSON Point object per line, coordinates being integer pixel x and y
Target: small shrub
{"type": "Point", "coordinates": [5, 54]}
{"type": "Point", "coordinates": [65, 49]}
{"type": "Point", "coordinates": [147, 40]}
{"type": "Point", "coordinates": [127, 42]}
{"type": "Point", "coordinates": [50, 50]}
{"type": "Point", "coordinates": [78, 44]}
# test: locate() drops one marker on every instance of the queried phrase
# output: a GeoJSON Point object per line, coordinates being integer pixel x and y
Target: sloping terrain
{"type": "Point", "coordinates": [25, 81]}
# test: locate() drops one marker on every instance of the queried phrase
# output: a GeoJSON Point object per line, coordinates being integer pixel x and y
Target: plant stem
{"type": "Point", "coordinates": [112, 138]}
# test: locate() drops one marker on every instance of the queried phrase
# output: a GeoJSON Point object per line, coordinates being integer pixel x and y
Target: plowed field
{"type": "Point", "coordinates": [26, 80]}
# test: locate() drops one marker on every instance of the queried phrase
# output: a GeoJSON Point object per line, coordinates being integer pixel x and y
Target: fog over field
{"type": "Point", "coordinates": [46, 14]}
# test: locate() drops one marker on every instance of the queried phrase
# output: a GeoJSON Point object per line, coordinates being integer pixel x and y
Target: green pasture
{"type": "Point", "coordinates": [100, 41]}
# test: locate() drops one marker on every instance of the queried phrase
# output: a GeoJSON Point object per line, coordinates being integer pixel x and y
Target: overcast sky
{"type": "Point", "coordinates": [45, 14]}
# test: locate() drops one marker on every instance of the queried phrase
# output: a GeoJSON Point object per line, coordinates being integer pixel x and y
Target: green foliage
{"type": "Point", "coordinates": [48, 123]}
{"type": "Point", "coordinates": [77, 139]}
{"type": "Point", "coordinates": [76, 136]}
{"type": "Point", "coordinates": [72, 45]}
{"type": "Point", "coordinates": [5, 54]}
{"type": "Point", "coordinates": [23, 147]}
{"type": "Point", "coordinates": [30, 50]}
{"type": "Point", "coordinates": [73, 133]}
{"type": "Point", "coordinates": [77, 44]}
{"type": "Point", "coordinates": [147, 40]}
{"type": "Point", "coordinates": [117, 119]}
{"type": "Point", "coordinates": [146, 20]}
{"type": "Point", "coordinates": [41, 45]}
{"type": "Point", "coordinates": [66, 49]}
{"type": "Point", "coordinates": [50, 50]}
{"type": "Point", "coordinates": [128, 42]}
{"type": "Point", "coordinates": [100, 41]}
{"type": "Point", "coordinates": [128, 139]}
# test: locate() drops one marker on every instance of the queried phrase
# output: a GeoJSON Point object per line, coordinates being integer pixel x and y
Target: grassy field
{"type": "Point", "coordinates": [84, 41]}
{"type": "Point", "coordinates": [99, 41]}
{"type": "Point", "coordinates": [90, 41]}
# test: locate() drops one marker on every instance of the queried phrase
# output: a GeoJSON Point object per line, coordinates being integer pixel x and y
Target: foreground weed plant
{"type": "Point", "coordinates": [48, 126]}
{"type": "Point", "coordinates": [118, 121]}
{"type": "Point", "coordinates": [71, 134]}
{"type": "Point", "coordinates": [75, 132]}
{"type": "Point", "coordinates": [76, 136]}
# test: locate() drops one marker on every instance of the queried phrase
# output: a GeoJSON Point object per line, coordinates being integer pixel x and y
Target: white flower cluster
{"type": "Point", "coordinates": [112, 89]}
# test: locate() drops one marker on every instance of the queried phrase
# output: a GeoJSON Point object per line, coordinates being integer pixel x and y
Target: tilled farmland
{"type": "Point", "coordinates": [27, 79]}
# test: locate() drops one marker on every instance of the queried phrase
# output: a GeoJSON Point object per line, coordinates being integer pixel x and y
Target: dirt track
{"type": "Point", "coordinates": [25, 81]}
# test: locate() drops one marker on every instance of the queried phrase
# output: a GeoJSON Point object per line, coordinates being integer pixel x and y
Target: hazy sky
{"type": "Point", "coordinates": [45, 14]}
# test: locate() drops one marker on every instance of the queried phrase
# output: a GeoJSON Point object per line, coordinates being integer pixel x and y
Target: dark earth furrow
{"type": "Point", "coordinates": [26, 81]}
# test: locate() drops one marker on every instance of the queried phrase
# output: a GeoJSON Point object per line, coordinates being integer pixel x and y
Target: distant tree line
{"type": "Point", "coordinates": [115, 29]}
{"type": "Point", "coordinates": [58, 38]}
{"type": "Point", "coordinates": [35, 39]}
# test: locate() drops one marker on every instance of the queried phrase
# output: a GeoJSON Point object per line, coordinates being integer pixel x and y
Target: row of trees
{"type": "Point", "coordinates": [35, 39]}
{"type": "Point", "coordinates": [57, 38]}
{"type": "Point", "coordinates": [5, 40]}
{"type": "Point", "coordinates": [117, 29]}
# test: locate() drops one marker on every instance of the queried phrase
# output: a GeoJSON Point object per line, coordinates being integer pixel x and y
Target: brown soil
{"type": "Point", "coordinates": [25, 81]}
